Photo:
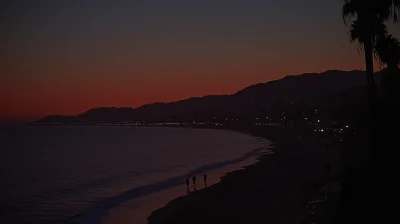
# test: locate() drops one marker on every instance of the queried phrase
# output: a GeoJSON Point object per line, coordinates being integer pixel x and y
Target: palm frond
{"type": "Point", "coordinates": [395, 10]}
{"type": "Point", "coordinates": [355, 33]}
{"type": "Point", "coordinates": [387, 9]}
{"type": "Point", "coordinates": [349, 10]}
{"type": "Point", "coordinates": [387, 50]}
{"type": "Point", "coordinates": [379, 30]}
{"type": "Point", "coordinates": [367, 23]}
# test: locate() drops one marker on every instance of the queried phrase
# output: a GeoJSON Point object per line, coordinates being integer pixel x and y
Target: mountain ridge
{"type": "Point", "coordinates": [258, 97]}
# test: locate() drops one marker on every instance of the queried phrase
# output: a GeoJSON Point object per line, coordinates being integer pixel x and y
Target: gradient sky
{"type": "Point", "coordinates": [64, 57]}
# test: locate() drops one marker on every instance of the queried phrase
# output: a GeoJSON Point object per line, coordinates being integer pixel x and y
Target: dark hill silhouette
{"type": "Point", "coordinates": [107, 114]}
{"type": "Point", "coordinates": [262, 97]}
{"type": "Point", "coordinates": [103, 114]}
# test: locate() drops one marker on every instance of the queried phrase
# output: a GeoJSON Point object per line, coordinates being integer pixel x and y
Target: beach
{"type": "Point", "coordinates": [137, 211]}
{"type": "Point", "coordinates": [275, 189]}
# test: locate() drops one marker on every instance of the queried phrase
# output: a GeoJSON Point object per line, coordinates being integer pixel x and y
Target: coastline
{"type": "Point", "coordinates": [275, 189]}
{"type": "Point", "coordinates": [174, 206]}
{"type": "Point", "coordinates": [137, 211]}
{"type": "Point", "coordinates": [136, 204]}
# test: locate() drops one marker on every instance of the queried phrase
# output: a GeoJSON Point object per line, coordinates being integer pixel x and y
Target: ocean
{"type": "Point", "coordinates": [71, 174]}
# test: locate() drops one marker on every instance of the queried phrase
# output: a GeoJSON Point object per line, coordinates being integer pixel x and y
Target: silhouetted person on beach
{"type": "Point", "coordinates": [205, 180]}
{"type": "Point", "coordinates": [194, 182]}
{"type": "Point", "coordinates": [187, 183]}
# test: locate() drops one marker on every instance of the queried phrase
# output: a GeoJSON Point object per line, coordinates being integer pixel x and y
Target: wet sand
{"type": "Point", "coordinates": [274, 190]}
{"type": "Point", "coordinates": [138, 210]}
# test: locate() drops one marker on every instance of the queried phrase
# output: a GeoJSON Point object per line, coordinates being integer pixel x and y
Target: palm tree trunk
{"type": "Point", "coordinates": [369, 63]}
{"type": "Point", "coordinates": [372, 95]}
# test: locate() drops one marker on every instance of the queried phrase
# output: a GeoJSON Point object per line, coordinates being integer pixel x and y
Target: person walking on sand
{"type": "Point", "coordinates": [194, 182]}
{"type": "Point", "coordinates": [205, 179]}
{"type": "Point", "coordinates": [187, 183]}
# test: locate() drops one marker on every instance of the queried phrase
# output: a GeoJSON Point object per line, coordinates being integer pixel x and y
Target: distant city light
{"type": "Point", "coordinates": [347, 126]}
{"type": "Point", "coordinates": [318, 121]}
{"type": "Point", "coordinates": [322, 130]}
{"type": "Point", "coordinates": [305, 118]}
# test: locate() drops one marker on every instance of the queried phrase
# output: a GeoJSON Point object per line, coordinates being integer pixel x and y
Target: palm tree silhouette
{"type": "Point", "coordinates": [387, 50]}
{"type": "Point", "coordinates": [367, 19]}
{"type": "Point", "coordinates": [361, 201]}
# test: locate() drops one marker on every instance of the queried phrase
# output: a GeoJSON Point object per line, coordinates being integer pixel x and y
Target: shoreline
{"type": "Point", "coordinates": [172, 205]}
{"type": "Point", "coordinates": [274, 189]}
{"type": "Point", "coordinates": [138, 210]}
{"type": "Point", "coordinates": [145, 199]}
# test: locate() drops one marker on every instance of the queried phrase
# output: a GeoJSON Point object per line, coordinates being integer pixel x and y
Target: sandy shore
{"type": "Point", "coordinates": [274, 190]}
{"type": "Point", "coordinates": [138, 210]}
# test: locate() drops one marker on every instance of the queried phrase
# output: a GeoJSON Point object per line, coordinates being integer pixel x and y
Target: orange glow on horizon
{"type": "Point", "coordinates": [69, 94]}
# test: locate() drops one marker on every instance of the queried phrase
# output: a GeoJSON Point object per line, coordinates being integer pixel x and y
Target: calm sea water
{"type": "Point", "coordinates": [64, 174]}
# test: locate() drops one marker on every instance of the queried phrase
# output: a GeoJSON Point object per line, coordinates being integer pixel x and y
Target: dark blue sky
{"type": "Point", "coordinates": [127, 53]}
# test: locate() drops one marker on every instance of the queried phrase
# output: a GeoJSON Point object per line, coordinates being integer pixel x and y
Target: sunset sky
{"type": "Point", "coordinates": [65, 57]}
